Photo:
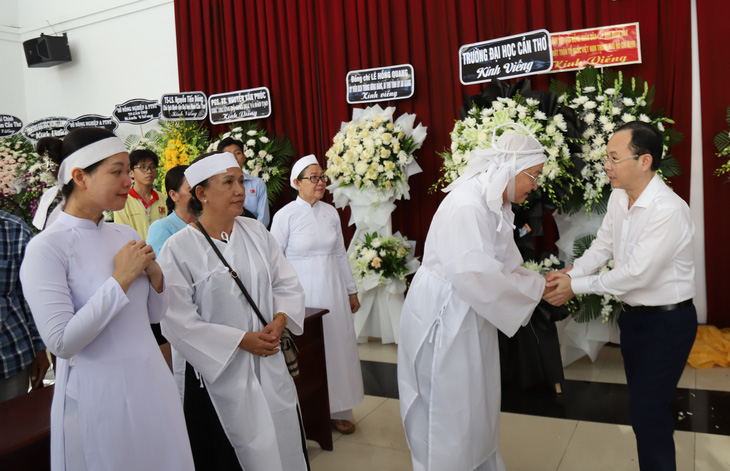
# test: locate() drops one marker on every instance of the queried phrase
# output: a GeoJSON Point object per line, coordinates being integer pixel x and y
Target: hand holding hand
{"type": "Point", "coordinates": [260, 343]}
{"type": "Point", "coordinates": [558, 290]}
{"type": "Point", "coordinates": [131, 260]}
{"type": "Point", "coordinates": [275, 327]}
{"type": "Point", "coordinates": [550, 276]}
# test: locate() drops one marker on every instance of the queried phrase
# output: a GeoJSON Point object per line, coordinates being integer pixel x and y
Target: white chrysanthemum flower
{"type": "Point", "coordinates": [644, 118]}
{"type": "Point", "coordinates": [589, 89]}
{"type": "Point", "coordinates": [627, 117]}
{"type": "Point", "coordinates": [264, 139]}
{"type": "Point", "coordinates": [251, 132]}
{"type": "Point", "coordinates": [628, 101]}
{"type": "Point", "coordinates": [660, 126]}
{"type": "Point", "coordinates": [590, 105]}
{"type": "Point", "coordinates": [540, 115]}
{"type": "Point", "coordinates": [610, 91]}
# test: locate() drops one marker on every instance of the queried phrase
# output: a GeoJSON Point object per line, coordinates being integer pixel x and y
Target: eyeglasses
{"type": "Point", "coordinates": [152, 168]}
{"type": "Point", "coordinates": [534, 178]}
{"type": "Point", "coordinates": [612, 161]}
{"type": "Point", "coordinates": [316, 179]}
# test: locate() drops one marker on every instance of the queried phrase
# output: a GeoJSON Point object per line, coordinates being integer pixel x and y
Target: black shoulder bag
{"type": "Point", "coordinates": [286, 342]}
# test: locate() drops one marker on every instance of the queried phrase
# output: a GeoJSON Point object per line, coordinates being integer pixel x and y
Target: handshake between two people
{"type": "Point", "coordinates": [557, 287]}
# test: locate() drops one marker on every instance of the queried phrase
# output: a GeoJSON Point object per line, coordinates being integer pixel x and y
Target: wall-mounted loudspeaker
{"type": "Point", "coordinates": [47, 51]}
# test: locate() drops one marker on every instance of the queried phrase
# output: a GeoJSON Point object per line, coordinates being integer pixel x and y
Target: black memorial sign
{"type": "Point", "coordinates": [93, 121]}
{"type": "Point", "coordinates": [380, 84]}
{"type": "Point", "coordinates": [184, 106]}
{"type": "Point", "coordinates": [9, 125]}
{"type": "Point", "coordinates": [242, 105]}
{"type": "Point", "coordinates": [137, 111]}
{"type": "Point", "coordinates": [46, 127]}
{"type": "Point", "coordinates": [512, 56]}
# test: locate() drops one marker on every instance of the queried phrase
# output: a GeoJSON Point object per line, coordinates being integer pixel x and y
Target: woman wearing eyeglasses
{"type": "Point", "coordinates": [144, 205]}
{"type": "Point", "coordinates": [471, 284]}
{"type": "Point", "coordinates": [310, 235]}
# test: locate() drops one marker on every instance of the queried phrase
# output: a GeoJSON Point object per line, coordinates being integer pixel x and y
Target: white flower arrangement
{"type": "Point", "coordinates": [266, 158]}
{"type": "Point", "coordinates": [604, 102]}
{"type": "Point", "coordinates": [381, 259]}
{"type": "Point", "coordinates": [543, 267]}
{"type": "Point", "coordinates": [475, 132]}
{"type": "Point", "coordinates": [374, 152]}
{"type": "Point", "coordinates": [24, 177]}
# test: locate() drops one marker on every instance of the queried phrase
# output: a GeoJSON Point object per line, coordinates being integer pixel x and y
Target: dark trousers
{"type": "Point", "coordinates": [211, 448]}
{"type": "Point", "coordinates": [655, 348]}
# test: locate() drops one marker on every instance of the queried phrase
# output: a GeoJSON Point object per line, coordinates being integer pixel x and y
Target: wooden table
{"type": "Point", "coordinates": [25, 431]}
{"type": "Point", "coordinates": [312, 381]}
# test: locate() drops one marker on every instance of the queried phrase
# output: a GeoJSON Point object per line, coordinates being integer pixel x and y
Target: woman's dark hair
{"type": "Point", "coordinates": [173, 181]}
{"type": "Point", "coordinates": [196, 205]}
{"type": "Point", "coordinates": [645, 139]}
{"type": "Point", "coordinates": [138, 156]}
{"type": "Point", "coordinates": [229, 141]}
{"type": "Point", "coordinates": [58, 149]}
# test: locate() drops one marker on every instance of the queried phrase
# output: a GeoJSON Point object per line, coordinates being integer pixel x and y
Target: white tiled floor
{"type": "Point", "coordinates": [528, 443]}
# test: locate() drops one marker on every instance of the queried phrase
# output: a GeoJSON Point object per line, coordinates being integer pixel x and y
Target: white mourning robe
{"type": "Point", "coordinates": [471, 283]}
{"type": "Point", "coordinates": [254, 397]}
{"type": "Point", "coordinates": [129, 414]}
{"type": "Point", "coordinates": [311, 237]}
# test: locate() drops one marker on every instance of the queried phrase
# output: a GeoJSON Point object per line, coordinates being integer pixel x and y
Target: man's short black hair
{"type": "Point", "coordinates": [645, 139]}
{"type": "Point", "coordinates": [139, 156]}
{"type": "Point", "coordinates": [229, 141]}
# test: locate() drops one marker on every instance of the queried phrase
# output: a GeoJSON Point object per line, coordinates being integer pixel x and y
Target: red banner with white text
{"type": "Point", "coordinates": [601, 47]}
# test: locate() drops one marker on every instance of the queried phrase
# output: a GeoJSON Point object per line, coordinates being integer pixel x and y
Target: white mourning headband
{"type": "Point", "coordinates": [82, 158]}
{"type": "Point", "coordinates": [209, 166]}
{"type": "Point", "coordinates": [300, 165]}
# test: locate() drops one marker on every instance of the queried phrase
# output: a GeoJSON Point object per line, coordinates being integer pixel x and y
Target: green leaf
{"type": "Point", "coordinates": [670, 167]}
{"type": "Point", "coordinates": [582, 244]}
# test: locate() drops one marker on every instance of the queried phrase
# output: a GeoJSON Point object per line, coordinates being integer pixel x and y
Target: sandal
{"type": "Point", "coordinates": [345, 427]}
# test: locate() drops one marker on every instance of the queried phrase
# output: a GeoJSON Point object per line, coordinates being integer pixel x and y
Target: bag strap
{"type": "Point", "coordinates": [233, 273]}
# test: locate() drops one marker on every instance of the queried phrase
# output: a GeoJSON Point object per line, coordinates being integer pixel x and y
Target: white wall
{"type": "Point", "coordinates": [120, 49]}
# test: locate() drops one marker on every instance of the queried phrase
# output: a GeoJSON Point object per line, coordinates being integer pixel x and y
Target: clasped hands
{"type": "Point", "coordinates": [266, 342]}
{"type": "Point", "coordinates": [133, 259]}
{"type": "Point", "coordinates": [557, 287]}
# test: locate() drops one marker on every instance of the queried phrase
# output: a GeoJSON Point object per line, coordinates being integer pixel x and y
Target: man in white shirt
{"type": "Point", "coordinates": [648, 233]}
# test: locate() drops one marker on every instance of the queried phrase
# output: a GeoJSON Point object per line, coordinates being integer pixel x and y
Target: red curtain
{"type": "Point", "coordinates": [714, 73]}
{"type": "Point", "coordinates": [302, 51]}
